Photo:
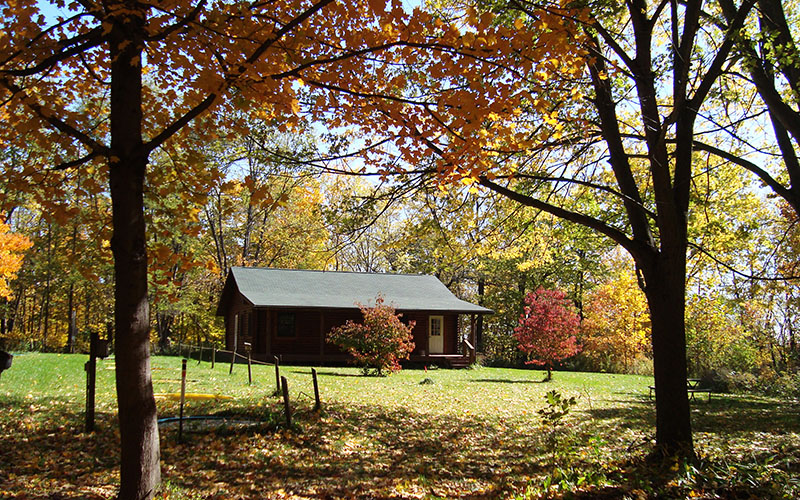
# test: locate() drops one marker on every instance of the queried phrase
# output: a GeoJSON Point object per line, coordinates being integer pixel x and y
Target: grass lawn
{"type": "Point", "coordinates": [467, 434]}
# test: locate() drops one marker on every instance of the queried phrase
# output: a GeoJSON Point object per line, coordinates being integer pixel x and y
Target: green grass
{"type": "Point", "coordinates": [469, 433]}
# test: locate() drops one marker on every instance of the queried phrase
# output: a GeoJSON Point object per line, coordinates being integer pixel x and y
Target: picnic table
{"type": "Point", "coordinates": [692, 388]}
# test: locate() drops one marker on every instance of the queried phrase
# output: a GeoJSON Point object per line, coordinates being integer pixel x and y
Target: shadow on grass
{"type": "Point", "coordinates": [723, 414]}
{"type": "Point", "coordinates": [365, 451]}
{"type": "Point", "coordinates": [509, 381]}
{"type": "Point", "coordinates": [334, 374]}
{"type": "Point", "coordinates": [353, 451]}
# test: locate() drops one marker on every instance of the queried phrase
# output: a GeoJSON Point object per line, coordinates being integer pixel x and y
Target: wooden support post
{"type": "Point", "coordinates": [277, 374]}
{"type": "Point", "coordinates": [286, 406]}
{"type": "Point", "coordinates": [183, 399]}
{"type": "Point", "coordinates": [91, 379]}
{"type": "Point", "coordinates": [317, 403]}
{"type": "Point", "coordinates": [213, 356]}
{"type": "Point", "coordinates": [233, 360]}
{"type": "Point", "coordinates": [249, 363]}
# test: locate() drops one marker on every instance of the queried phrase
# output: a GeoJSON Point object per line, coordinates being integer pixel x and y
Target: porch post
{"type": "Point", "coordinates": [472, 336]}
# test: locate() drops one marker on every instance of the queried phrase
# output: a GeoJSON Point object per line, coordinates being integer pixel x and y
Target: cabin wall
{"type": "Point", "coordinates": [259, 327]}
{"type": "Point", "coordinates": [420, 331]}
{"type": "Point", "coordinates": [247, 324]}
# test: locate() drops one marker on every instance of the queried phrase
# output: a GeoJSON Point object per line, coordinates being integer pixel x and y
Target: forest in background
{"type": "Point", "coordinates": [266, 201]}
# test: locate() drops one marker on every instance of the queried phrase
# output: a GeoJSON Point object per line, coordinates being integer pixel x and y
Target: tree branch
{"type": "Point", "coordinates": [636, 248]}
{"type": "Point", "coordinates": [47, 116]}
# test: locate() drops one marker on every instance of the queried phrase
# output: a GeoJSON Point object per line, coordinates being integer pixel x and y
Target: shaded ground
{"type": "Point", "coordinates": [393, 438]}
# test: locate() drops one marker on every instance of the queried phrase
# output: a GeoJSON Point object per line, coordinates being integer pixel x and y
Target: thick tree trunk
{"type": "Point", "coordinates": [665, 291]}
{"type": "Point", "coordinates": [139, 468]}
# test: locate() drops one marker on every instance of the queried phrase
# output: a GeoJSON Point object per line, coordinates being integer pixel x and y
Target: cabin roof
{"type": "Point", "coordinates": [291, 288]}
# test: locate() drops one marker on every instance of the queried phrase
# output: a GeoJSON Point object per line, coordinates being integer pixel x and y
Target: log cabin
{"type": "Point", "coordinates": [288, 313]}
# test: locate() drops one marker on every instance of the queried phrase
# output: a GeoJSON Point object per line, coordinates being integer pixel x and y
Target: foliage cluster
{"type": "Point", "coordinates": [380, 342]}
{"type": "Point", "coordinates": [547, 328]}
{"type": "Point", "coordinates": [12, 248]}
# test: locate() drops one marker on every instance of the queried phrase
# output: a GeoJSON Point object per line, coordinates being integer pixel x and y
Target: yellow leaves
{"type": "Point", "coordinates": [295, 106]}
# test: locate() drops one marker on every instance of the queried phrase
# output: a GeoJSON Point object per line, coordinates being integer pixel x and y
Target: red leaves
{"type": "Point", "coordinates": [379, 342]}
{"type": "Point", "coordinates": [547, 328]}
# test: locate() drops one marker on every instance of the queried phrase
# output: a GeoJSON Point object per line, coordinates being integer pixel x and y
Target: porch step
{"type": "Point", "coordinates": [461, 362]}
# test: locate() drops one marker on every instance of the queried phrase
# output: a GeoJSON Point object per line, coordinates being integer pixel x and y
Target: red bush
{"type": "Point", "coordinates": [380, 342]}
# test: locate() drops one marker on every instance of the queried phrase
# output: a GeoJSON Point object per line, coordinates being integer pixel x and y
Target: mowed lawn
{"type": "Point", "coordinates": [460, 434]}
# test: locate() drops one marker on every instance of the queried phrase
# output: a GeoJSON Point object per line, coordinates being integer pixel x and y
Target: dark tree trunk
{"type": "Point", "coordinates": [164, 322]}
{"type": "Point", "coordinates": [479, 323]}
{"type": "Point", "coordinates": [665, 292]}
{"type": "Point", "coordinates": [71, 326]}
{"type": "Point", "coordinates": [139, 469]}
{"type": "Point", "coordinates": [48, 279]}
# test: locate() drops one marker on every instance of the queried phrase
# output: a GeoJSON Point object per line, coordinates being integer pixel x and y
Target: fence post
{"type": "Point", "coordinates": [317, 402]}
{"type": "Point", "coordinates": [277, 374]}
{"type": "Point", "coordinates": [249, 364]}
{"type": "Point", "coordinates": [91, 378]}
{"type": "Point", "coordinates": [233, 360]}
{"type": "Point", "coordinates": [286, 406]}
{"type": "Point", "coordinates": [183, 398]}
{"type": "Point", "coordinates": [213, 356]}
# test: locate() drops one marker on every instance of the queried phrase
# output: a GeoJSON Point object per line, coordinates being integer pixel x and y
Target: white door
{"type": "Point", "coordinates": [435, 334]}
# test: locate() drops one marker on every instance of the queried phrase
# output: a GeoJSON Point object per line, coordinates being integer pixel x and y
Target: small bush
{"type": "Point", "coordinates": [743, 382]}
{"type": "Point", "coordinates": [379, 342]}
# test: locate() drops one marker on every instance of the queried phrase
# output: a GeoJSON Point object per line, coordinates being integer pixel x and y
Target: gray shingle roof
{"type": "Point", "coordinates": [331, 289]}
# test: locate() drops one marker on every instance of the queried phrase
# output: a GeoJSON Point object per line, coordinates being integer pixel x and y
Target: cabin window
{"type": "Point", "coordinates": [285, 324]}
{"type": "Point", "coordinates": [436, 323]}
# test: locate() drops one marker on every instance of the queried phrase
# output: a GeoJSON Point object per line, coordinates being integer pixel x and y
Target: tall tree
{"type": "Point", "coordinates": [154, 72]}
{"type": "Point", "coordinates": [650, 72]}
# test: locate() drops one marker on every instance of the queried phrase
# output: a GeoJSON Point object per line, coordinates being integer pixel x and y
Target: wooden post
{"type": "Point", "coordinates": [183, 399]}
{"type": "Point", "coordinates": [277, 374]}
{"type": "Point", "coordinates": [286, 406]}
{"type": "Point", "coordinates": [91, 377]}
{"type": "Point", "coordinates": [249, 363]}
{"type": "Point", "coordinates": [233, 360]}
{"type": "Point", "coordinates": [317, 403]}
{"type": "Point", "coordinates": [213, 356]}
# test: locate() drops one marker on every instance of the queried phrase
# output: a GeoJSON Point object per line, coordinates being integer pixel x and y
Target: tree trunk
{"type": "Point", "coordinates": [139, 468]}
{"type": "Point", "coordinates": [665, 292]}
{"type": "Point", "coordinates": [48, 279]}
{"type": "Point", "coordinates": [479, 324]}
{"type": "Point", "coordinates": [71, 325]}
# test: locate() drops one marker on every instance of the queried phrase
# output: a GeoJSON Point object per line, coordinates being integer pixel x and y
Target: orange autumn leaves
{"type": "Point", "coordinates": [12, 247]}
{"type": "Point", "coordinates": [417, 84]}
